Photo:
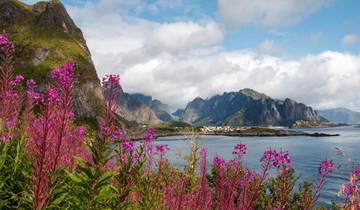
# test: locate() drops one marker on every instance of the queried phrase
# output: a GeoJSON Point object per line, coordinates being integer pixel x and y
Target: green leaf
{"type": "Point", "coordinates": [74, 178]}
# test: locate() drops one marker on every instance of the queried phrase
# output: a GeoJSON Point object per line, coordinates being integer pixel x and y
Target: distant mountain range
{"type": "Point", "coordinates": [341, 115]}
{"type": "Point", "coordinates": [247, 107]}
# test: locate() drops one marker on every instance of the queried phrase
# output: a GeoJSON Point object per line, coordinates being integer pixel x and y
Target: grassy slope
{"type": "Point", "coordinates": [29, 36]}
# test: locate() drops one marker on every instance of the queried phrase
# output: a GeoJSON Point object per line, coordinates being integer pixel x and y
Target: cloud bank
{"type": "Point", "coordinates": [180, 60]}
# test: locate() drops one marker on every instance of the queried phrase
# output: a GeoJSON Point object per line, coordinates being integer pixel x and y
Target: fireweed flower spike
{"type": "Point", "coordinates": [111, 91]}
{"type": "Point", "coordinates": [53, 138]}
{"type": "Point", "coordinates": [10, 95]}
{"type": "Point", "coordinates": [325, 168]}
{"type": "Point", "coordinates": [149, 146]}
{"type": "Point", "coordinates": [219, 161]}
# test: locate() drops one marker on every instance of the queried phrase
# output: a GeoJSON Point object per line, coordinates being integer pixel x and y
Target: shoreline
{"type": "Point", "coordinates": [246, 133]}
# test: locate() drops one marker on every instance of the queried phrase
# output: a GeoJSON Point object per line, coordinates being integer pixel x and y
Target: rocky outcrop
{"type": "Point", "coordinates": [161, 110]}
{"type": "Point", "coordinates": [133, 109]}
{"type": "Point", "coordinates": [247, 107]}
{"type": "Point", "coordinates": [46, 36]}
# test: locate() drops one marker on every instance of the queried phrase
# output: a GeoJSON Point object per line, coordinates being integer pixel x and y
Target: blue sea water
{"type": "Point", "coordinates": [306, 153]}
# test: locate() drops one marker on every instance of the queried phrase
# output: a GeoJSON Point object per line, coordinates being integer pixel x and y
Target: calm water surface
{"type": "Point", "coordinates": [306, 152]}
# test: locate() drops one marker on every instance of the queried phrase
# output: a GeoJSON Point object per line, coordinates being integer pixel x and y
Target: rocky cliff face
{"type": "Point", "coordinates": [247, 107]}
{"type": "Point", "coordinates": [46, 36]}
{"type": "Point", "coordinates": [161, 110]}
{"type": "Point", "coordinates": [135, 110]}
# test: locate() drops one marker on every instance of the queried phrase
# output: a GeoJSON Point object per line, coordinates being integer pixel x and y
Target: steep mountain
{"type": "Point", "coordinates": [247, 107]}
{"type": "Point", "coordinates": [341, 115]}
{"type": "Point", "coordinates": [179, 113]}
{"type": "Point", "coordinates": [161, 110]}
{"type": "Point", "coordinates": [46, 36]}
{"type": "Point", "coordinates": [135, 110]}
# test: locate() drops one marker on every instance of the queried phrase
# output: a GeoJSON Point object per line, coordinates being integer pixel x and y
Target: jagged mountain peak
{"type": "Point", "coordinates": [254, 94]}
{"type": "Point", "coordinates": [247, 107]}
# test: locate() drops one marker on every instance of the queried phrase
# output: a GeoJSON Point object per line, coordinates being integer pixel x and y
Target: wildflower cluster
{"type": "Point", "coordinates": [240, 149]}
{"type": "Point", "coordinates": [280, 160]}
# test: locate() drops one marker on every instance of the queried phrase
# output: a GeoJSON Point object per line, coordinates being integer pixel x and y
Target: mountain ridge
{"type": "Point", "coordinates": [247, 107]}
{"type": "Point", "coordinates": [341, 115]}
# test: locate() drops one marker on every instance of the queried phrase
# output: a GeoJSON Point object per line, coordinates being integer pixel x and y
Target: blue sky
{"type": "Point", "coordinates": [304, 49]}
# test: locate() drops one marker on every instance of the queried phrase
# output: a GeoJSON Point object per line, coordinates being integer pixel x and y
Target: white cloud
{"type": "Point", "coordinates": [350, 39]}
{"type": "Point", "coordinates": [275, 13]}
{"type": "Point", "coordinates": [268, 47]}
{"type": "Point", "coordinates": [180, 36]}
{"type": "Point", "coordinates": [178, 61]}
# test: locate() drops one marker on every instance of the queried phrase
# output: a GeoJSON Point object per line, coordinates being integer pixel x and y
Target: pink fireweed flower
{"type": "Point", "coordinates": [5, 42]}
{"type": "Point", "coordinates": [128, 146]}
{"type": "Point", "coordinates": [149, 135]}
{"type": "Point", "coordinates": [65, 74]}
{"type": "Point", "coordinates": [53, 94]}
{"type": "Point", "coordinates": [19, 78]}
{"type": "Point", "coordinates": [5, 137]}
{"type": "Point", "coordinates": [31, 83]}
{"type": "Point", "coordinates": [281, 159]}
{"type": "Point", "coordinates": [162, 148]}
{"type": "Point", "coordinates": [118, 132]}
{"type": "Point", "coordinates": [70, 115]}
{"type": "Point", "coordinates": [110, 79]}
{"type": "Point", "coordinates": [218, 161]}
{"type": "Point", "coordinates": [240, 149]}
{"type": "Point", "coordinates": [10, 123]}
{"type": "Point", "coordinates": [356, 172]}
{"type": "Point", "coordinates": [11, 95]}
{"type": "Point", "coordinates": [267, 155]}
{"type": "Point", "coordinates": [111, 86]}
{"type": "Point", "coordinates": [105, 129]}
{"type": "Point", "coordinates": [34, 95]}
{"type": "Point", "coordinates": [80, 131]}
{"type": "Point", "coordinates": [326, 167]}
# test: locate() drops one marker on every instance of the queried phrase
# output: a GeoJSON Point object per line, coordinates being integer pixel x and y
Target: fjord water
{"type": "Point", "coordinates": [306, 153]}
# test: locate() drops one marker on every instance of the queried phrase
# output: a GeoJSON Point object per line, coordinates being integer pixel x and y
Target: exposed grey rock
{"type": "Point", "coordinates": [161, 110]}
{"type": "Point", "coordinates": [40, 55]}
{"type": "Point", "coordinates": [247, 107]}
{"type": "Point", "coordinates": [132, 108]}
